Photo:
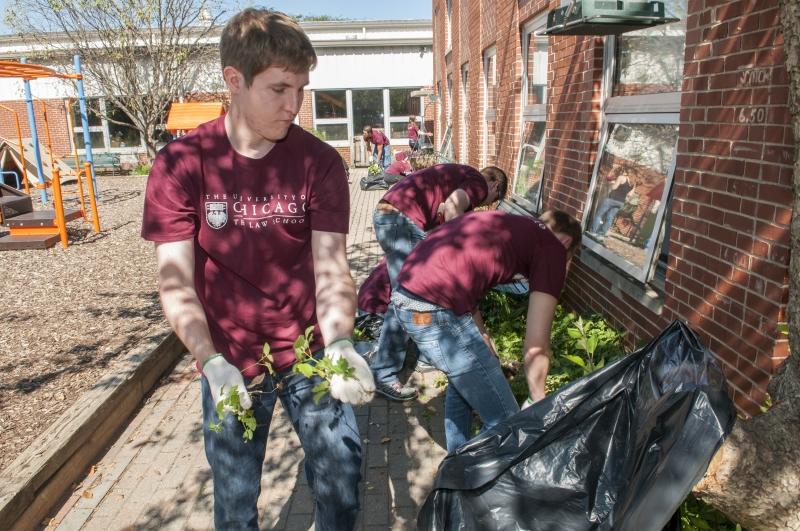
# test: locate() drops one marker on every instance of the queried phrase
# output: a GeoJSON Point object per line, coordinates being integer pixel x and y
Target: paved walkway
{"type": "Point", "coordinates": [156, 476]}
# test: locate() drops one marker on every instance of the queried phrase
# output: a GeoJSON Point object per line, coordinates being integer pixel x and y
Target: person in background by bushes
{"type": "Point", "coordinates": [379, 144]}
{"type": "Point", "coordinates": [416, 204]}
{"type": "Point", "coordinates": [249, 215]}
{"type": "Point", "coordinates": [439, 287]}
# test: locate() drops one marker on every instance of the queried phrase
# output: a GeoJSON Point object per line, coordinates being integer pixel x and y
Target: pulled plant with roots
{"type": "Point", "coordinates": [306, 365]}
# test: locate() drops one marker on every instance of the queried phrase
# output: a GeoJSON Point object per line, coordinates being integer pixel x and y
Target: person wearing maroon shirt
{"type": "Point", "coordinates": [249, 215]}
{"type": "Point", "coordinates": [373, 295]}
{"type": "Point", "coordinates": [414, 205]}
{"type": "Point", "coordinates": [440, 285]}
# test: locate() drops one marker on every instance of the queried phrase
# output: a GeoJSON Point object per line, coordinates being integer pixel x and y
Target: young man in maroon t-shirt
{"type": "Point", "coordinates": [439, 287]}
{"type": "Point", "coordinates": [416, 204]}
{"type": "Point", "coordinates": [249, 215]}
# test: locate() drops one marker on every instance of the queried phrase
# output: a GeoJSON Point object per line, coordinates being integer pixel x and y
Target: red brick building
{"type": "Point", "coordinates": [672, 144]}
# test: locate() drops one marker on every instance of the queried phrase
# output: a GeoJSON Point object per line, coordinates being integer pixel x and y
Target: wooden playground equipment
{"type": "Point", "coordinates": [41, 229]}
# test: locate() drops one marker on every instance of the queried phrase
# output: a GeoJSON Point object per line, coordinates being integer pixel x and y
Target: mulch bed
{"type": "Point", "coordinates": [66, 315]}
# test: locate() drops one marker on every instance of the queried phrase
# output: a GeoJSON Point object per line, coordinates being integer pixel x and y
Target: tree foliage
{"type": "Point", "coordinates": [139, 54]}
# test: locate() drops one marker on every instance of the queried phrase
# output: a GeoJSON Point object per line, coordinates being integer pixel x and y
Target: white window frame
{"type": "Point", "coordinates": [103, 128]}
{"type": "Point", "coordinates": [663, 109]}
{"type": "Point", "coordinates": [464, 114]}
{"type": "Point", "coordinates": [448, 31]}
{"type": "Point", "coordinates": [347, 120]}
{"type": "Point", "coordinates": [398, 118]}
{"type": "Point", "coordinates": [489, 114]}
{"type": "Point", "coordinates": [531, 113]}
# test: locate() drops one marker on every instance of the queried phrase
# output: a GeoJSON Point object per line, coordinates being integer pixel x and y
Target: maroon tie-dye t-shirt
{"type": "Point", "coordinates": [251, 222]}
{"type": "Point", "coordinates": [419, 195]}
{"type": "Point", "coordinates": [461, 260]}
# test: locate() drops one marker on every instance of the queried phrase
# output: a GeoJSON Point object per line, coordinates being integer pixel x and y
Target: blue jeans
{"type": "Point", "coordinates": [604, 218]}
{"type": "Point", "coordinates": [397, 236]}
{"type": "Point", "coordinates": [330, 440]}
{"type": "Point", "coordinates": [454, 345]}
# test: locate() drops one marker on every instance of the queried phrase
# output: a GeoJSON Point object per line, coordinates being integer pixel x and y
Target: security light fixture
{"type": "Point", "coordinates": [604, 17]}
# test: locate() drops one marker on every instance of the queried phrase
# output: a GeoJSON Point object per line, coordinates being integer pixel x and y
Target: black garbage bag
{"type": "Point", "coordinates": [370, 325]}
{"type": "Point", "coordinates": [618, 449]}
{"type": "Point", "coordinates": [373, 182]}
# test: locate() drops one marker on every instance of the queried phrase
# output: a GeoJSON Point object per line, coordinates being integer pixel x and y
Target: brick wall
{"type": "Point", "coordinates": [56, 120]}
{"type": "Point", "coordinates": [728, 243]}
{"type": "Point", "coordinates": [305, 116]}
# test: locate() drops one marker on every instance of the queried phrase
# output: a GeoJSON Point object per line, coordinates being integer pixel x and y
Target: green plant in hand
{"type": "Point", "coordinates": [324, 368]}
{"type": "Point", "coordinates": [306, 365]}
{"type": "Point", "coordinates": [230, 404]}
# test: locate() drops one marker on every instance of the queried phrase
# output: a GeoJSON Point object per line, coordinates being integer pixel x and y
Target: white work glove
{"type": "Point", "coordinates": [222, 376]}
{"type": "Point", "coordinates": [357, 389]}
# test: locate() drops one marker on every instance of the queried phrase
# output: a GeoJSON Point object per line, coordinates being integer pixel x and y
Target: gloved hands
{"type": "Point", "coordinates": [222, 376]}
{"type": "Point", "coordinates": [358, 389]}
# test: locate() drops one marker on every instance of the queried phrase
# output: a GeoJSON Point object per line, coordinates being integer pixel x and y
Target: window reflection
{"type": "Point", "coordinates": [531, 165]}
{"type": "Point", "coordinates": [330, 104]}
{"type": "Point", "coordinates": [633, 172]}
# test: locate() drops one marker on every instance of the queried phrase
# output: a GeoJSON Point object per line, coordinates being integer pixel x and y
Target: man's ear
{"type": "Point", "coordinates": [234, 79]}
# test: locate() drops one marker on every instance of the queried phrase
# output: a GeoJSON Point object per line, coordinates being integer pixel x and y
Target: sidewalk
{"type": "Point", "coordinates": [156, 476]}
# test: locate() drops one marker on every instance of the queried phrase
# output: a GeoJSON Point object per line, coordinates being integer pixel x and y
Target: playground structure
{"type": "Point", "coordinates": [183, 117]}
{"type": "Point", "coordinates": [42, 229]}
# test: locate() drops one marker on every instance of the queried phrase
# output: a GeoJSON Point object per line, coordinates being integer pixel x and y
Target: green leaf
{"type": "Point", "coordinates": [304, 368]}
{"type": "Point", "coordinates": [574, 333]}
{"type": "Point", "coordinates": [215, 427]}
{"type": "Point", "coordinates": [592, 345]}
{"type": "Point", "coordinates": [577, 360]}
{"type": "Point", "coordinates": [266, 350]}
{"type": "Point", "coordinates": [322, 387]}
{"type": "Point", "coordinates": [600, 364]}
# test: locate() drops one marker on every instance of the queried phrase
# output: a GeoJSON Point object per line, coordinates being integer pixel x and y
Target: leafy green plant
{"type": "Point", "coordinates": [587, 342]}
{"type": "Point", "coordinates": [142, 169]}
{"type": "Point", "coordinates": [374, 169]}
{"type": "Point", "coordinates": [306, 365]}
{"type": "Point", "coordinates": [697, 515]}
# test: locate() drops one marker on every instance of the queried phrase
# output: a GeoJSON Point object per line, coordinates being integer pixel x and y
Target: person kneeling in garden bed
{"type": "Point", "coordinates": [439, 287]}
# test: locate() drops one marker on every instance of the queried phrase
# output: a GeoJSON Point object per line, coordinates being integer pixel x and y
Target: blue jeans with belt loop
{"type": "Point", "coordinates": [331, 443]}
{"type": "Point", "coordinates": [454, 345]}
{"type": "Point", "coordinates": [397, 236]}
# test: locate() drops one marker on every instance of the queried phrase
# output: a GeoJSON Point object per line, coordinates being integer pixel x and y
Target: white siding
{"type": "Point", "coordinates": [372, 68]}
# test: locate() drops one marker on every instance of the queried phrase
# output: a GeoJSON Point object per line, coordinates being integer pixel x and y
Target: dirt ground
{"type": "Point", "coordinates": [66, 315]}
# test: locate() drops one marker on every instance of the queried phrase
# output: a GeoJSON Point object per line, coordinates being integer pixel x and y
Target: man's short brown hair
{"type": "Point", "coordinates": [256, 39]}
{"type": "Point", "coordinates": [560, 221]}
{"type": "Point", "coordinates": [497, 178]}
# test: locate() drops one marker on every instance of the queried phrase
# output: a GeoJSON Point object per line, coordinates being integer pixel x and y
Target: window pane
{"type": "Point", "coordinates": [92, 111]}
{"type": "Point", "coordinates": [367, 109]}
{"type": "Point", "coordinates": [333, 131]}
{"type": "Point", "coordinates": [491, 150]}
{"type": "Point", "coordinates": [449, 99]}
{"type": "Point", "coordinates": [121, 134]}
{"type": "Point", "coordinates": [531, 164]}
{"type": "Point", "coordinates": [402, 104]}
{"type": "Point", "coordinates": [330, 103]}
{"type": "Point", "coordinates": [537, 69]}
{"type": "Point", "coordinates": [398, 130]}
{"type": "Point", "coordinates": [491, 80]}
{"type": "Point", "coordinates": [96, 137]}
{"type": "Point", "coordinates": [650, 61]}
{"type": "Point", "coordinates": [633, 171]}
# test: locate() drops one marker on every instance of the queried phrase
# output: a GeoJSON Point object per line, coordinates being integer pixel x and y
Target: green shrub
{"type": "Point", "coordinates": [142, 169]}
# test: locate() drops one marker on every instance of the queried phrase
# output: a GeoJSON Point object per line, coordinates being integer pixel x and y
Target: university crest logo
{"type": "Point", "coordinates": [216, 214]}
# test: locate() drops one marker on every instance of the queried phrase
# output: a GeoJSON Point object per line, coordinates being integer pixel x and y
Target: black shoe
{"type": "Point", "coordinates": [396, 391]}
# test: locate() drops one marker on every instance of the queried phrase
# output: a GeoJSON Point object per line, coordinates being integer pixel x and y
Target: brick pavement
{"type": "Point", "coordinates": [156, 476]}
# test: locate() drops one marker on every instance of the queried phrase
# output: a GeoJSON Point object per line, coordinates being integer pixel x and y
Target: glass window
{"type": "Point", "coordinates": [527, 185]}
{"type": "Point", "coordinates": [367, 109]}
{"type": "Point", "coordinates": [121, 132]}
{"type": "Point", "coordinates": [402, 104]}
{"type": "Point", "coordinates": [447, 144]}
{"type": "Point", "coordinates": [464, 111]}
{"type": "Point", "coordinates": [449, 99]}
{"type": "Point", "coordinates": [332, 132]}
{"type": "Point", "coordinates": [92, 111]}
{"type": "Point", "coordinates": [490, 104]}
{"type": "Point", "coordinates": [650, 61]}
{"type": "Point", "coordinates": [330, 104]}
{"type": "Point", "coordinates": [634, 168]}
{"type": "Point", "coordinates": [536, 69]}
{"type": "Point", "coordinates": [95, 136]}
{"type": "Point", "coordinates": [398, 129]}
